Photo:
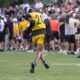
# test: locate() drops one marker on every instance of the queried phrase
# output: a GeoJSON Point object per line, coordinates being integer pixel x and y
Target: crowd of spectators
{"type": "Point", "coordinates": [62, 22]}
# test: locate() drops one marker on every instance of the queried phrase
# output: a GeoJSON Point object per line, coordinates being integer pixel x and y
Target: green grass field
{"type": "Point", "coordinates": [16, 65]}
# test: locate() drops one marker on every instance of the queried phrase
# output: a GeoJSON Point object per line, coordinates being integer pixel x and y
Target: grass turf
{"type": "Point", "coordinates": [15, 65]}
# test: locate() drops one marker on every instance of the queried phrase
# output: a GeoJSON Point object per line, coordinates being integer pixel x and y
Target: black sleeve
{"type": "Point", "coordinates": [28, 16]}
{"type": "Point", "coordinates": [32, 22]}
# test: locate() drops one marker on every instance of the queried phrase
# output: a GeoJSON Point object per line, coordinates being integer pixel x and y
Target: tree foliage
{"type": "Point", "coordinates": [4, 3]}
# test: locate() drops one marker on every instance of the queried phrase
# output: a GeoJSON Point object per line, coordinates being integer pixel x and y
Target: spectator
{"type": "Point", "coordinates": [70, 34]}
{"type": "Point", "coordinates": [62, 32]}
{"type": "Point", "coordinates": [38, 5]}
{"type": "Point", "coordinates": [2, 34]}
{"type": "Point", "coordinates": [55, 32]}
{"type": "Point", "coordinates": [48, 30]}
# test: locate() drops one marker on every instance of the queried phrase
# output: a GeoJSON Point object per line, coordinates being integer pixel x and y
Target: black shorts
{"type": "Point", "coordinates": [2, 36]}
{"type": "Point", "coordinates": [27, 37]}
{"type": "Point", "coordinates": [55, 35]}
{"type": "Point", "coordinates": [48, 38]}
{"type": "Point", "coordinates": [70, 38]}
{"type": "Point", "coordinates": [62, 37]}
{"type": "Point", "coordinates": [11, 37]}
{"type": "Point", "coordinates": [24, 36]}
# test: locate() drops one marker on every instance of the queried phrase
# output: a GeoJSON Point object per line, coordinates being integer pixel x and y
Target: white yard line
{"type": "Point", "coordinates": [65, 64]}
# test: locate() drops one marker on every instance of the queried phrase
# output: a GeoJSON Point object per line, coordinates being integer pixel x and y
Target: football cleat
{"type": "Point", "coordinates": [32, 68]}
{"type": "Point", "coordinates": [46, 65]}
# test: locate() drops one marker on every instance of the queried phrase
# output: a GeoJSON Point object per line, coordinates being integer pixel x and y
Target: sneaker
{"type": "Point", "coordinates": [77, 51]}
{"type": "Point", "coordinates": [32, 68]}
{"type": "Point", "coordinates": [65, 52]}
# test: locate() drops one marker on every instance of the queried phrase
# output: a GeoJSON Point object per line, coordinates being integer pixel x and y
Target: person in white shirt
{"type": "Point", "coordinates": [70, 31]}
{"type": "Point", "coordinates": [38, 5]}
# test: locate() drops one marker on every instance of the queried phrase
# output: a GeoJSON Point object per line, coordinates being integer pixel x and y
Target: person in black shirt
{"type": "Point", "coordinates": [62, 33]}
{"type": "Point", "coordinates": [9, 25]}
{"type": "Point", "coordinates": [48, 33]}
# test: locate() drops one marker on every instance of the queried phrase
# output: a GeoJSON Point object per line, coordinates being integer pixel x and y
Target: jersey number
{"type": "Point", "coordinates": [39, 19]}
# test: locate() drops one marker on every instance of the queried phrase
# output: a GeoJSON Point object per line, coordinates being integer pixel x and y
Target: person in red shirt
{"type": "Point", "coordinates": [55, 32]}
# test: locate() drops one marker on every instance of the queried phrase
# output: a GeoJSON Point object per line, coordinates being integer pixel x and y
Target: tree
{"type": "Point", "coordinates": [4, 3]}
{"type": "Point", "coordinates": [10, 2]}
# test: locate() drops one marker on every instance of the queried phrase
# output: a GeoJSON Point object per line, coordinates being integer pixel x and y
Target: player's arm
{"type": "Point", "coordinates": [31, 23]}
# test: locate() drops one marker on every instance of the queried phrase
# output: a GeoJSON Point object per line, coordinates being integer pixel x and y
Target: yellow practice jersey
{"type": "Point", "coordinates": [23, 24]}
{"type": "Point", "coordinates": [16, 28]}
{"type": "Point", "coordinates": [39, 23]}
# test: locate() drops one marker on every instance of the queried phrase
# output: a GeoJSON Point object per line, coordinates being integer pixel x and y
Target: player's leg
{"type": "Point", "coordinates": [44, 61]}
{"type": "Point", "coordinates": [39, 52]}
{"type": "Point", "coordinates": [41, 47]}
{"type": "Point", "coordinates": [33, 64]}
{"type": "Point", "coordinates": [38, 49]}
{"type": "Point", "coordinates": [38, 55]}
